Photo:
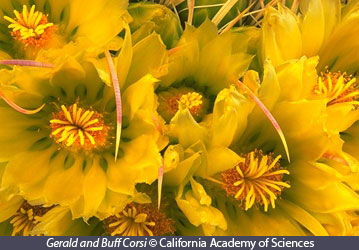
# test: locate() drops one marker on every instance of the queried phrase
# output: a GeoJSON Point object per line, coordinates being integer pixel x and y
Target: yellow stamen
{"type": "Point", "coordinates": [191, 100]}
{"type": "Point", "coordinates": [26, 218]}
{"type": "Point", "coordinates": [170, 101]}
{"type": "Point", "coordinates": [338, 88]}
{"type": "Point", "coordinates": [139, 220]}
{"type": "Point", "coordinates": [74, 126]}
{"type": "Point", "coordinates": [30, 27]}
{"type": "Point", "coordinates": [256, 180]}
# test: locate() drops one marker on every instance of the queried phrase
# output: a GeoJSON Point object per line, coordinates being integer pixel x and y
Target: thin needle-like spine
{"type": "Point", "coordinates": [27, 63]}
{"type": "Point", "coordinates": [117, 90]}
{"type": "Point", "coordinates": [269, 116]}
{"type": "Point", "coordinates": [160, 183]}
{"type": "Point", "coordinates": [18, 108]}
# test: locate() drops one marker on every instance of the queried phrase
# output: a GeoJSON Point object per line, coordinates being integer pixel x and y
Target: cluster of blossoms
{"type": "Point", "coordinates": [179, 117]}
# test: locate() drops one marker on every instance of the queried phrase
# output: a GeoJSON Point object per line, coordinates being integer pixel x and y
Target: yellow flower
{"type": "Point", "coordinates": [68, 148]}
{"type": "Point", "coordinates": [35, 25]}
{"type": "Point", "coordinates": [249, 177]}
{"type": "Point", "coordinates": [323, 28]}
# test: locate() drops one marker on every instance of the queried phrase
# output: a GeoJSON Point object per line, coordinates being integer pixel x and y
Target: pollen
{"type": "Point", "coordinates": [338, 88]}
{"type": "Point", "coordinates": [26, 218]}
{"type": "Point", "coordinates": [79, 128]}
{"type": "Point", "coordinates": [257, 179]}
{"type": "Point", "coordinates": [31, 27]}
{"type": "Point", "coordinates": [192, 101]}
{"type": "Point", "coordinates": [171, 100]}
{"type": "Point", "coordinates": [139, 220]}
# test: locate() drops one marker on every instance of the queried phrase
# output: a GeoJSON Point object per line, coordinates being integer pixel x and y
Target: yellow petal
{"type": "Point", "coordinates": [229, 117]}
{"type": "Point", "coordinates": [221, 159]}
{"type": "Point", "coordinates": [341, 116]}
{"type": "Point", "coordinates": [281, 37]}
{"type": "Point", "coordinates": [334, 198]}
{"type": "Point", "coordinates": [99, 21]}
{"type": "Point", "coordinates": [184, 170]}
{"type": "Point", "coordinates": [149, 57]}
{"type": "Point", "coordinates": [200, 194]}
{"type": "Point", "coordinates": [27, 168]}
{"type": "Point", "coordinates": [313, 28]}
{"type": "Point", "coordinates": [303, 217]}
{"type": "Point", "coordinates": [140, 95]}
{"type": "Point", "coordinates": [324, 174]}
{"type": "Point", "coordinates": [94, 189]}
{"type": "Point", "coordinates": [186, 129]}
{"type": "Point", "coordinates": [198, 214]}
{"type": "Point", "coordinates": [143, 157]}
{"type": "Point", "coordinates": [65, 186]}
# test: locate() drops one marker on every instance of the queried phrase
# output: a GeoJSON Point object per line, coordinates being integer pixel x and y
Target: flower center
{"type": "Point", "coordinates": [79, 128]}
{"type": "Point", "coordinates": [256, 179]}
{"type": "Point", "coordinates": [139, 220]}
{"type": "Point", "coordinates": [338, 88]}
{"type": "Point", "coordinates": [192, 101]}
{"type": "Point", "coordinates": [30, 27]}
{"type": "Point", "coordinates": [26, 218]}
{"type": "Point", "coordinates": [171, 100]}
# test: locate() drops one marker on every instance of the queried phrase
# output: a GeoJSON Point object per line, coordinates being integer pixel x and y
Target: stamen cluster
{"type": "Point", "coordinates": [79, 128]}
{"type": "Point", "coordinates": [256, 179]}
{"type": "Point", "coordinates": [31, 27]}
